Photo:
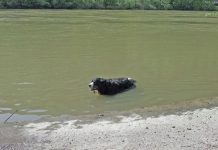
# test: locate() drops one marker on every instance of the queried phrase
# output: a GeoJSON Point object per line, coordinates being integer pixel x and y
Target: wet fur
{"type": "Point", "coordinates": [112, 86]}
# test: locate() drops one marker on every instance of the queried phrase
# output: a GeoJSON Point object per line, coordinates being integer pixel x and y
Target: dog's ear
{"type": "Point", "coordinates": [98, 79]}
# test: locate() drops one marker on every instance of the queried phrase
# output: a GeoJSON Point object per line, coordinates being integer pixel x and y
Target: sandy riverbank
{"type": "Point", "coordinates": [196, 129]}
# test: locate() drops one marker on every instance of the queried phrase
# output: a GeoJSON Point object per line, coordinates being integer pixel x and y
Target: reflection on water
{"type": "Point", "coordinates": [47, 59]}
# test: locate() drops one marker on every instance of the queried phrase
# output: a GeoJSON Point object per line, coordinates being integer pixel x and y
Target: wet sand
{"type": "Point", "coordinates": [196, 129]}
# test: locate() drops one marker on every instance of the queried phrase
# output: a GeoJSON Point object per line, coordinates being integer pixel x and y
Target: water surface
{"type": "Point", "coordinates": [47, 59]}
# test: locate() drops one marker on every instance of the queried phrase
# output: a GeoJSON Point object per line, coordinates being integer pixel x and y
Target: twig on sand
{"type": "Point", "coordinates": [10, 116]}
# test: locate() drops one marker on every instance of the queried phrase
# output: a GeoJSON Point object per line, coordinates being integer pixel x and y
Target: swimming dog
{"type": "Point", "coordinates": [111, 86]}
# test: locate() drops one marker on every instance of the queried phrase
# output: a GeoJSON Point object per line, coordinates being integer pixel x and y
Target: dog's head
{"type": "Point", "coordinates": [96, 83]}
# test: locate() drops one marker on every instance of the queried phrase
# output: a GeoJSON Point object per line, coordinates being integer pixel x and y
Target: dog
{"type": "Point", "coordinates": [111, 86]}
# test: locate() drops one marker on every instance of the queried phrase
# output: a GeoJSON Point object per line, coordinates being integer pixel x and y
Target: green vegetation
{"type": "Point", "coordinates": [111, 4]}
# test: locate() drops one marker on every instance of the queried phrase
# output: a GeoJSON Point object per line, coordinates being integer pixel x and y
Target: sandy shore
{"type": "Point", "coordinates": [196, 129]}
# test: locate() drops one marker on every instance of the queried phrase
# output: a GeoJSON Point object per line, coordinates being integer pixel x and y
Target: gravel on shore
{"type": "Point", "coordinates": [196, 129]}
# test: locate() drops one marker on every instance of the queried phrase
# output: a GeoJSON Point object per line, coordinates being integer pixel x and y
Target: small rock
{"type": "Point", "coordinates": [189, 129]}
{"type": "Point", "coordinates": [146, 128]}
{"type": "Point", "coordinates": [173, 126]}
{"type": "Point", "coordinates": [100, 115]}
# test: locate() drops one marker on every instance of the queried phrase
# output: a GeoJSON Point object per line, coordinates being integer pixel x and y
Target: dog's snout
{"type": "Point", "coordinates": [91, 85]}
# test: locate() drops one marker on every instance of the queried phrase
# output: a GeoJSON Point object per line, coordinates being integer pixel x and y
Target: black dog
{"type": "Point", "coordinates": [111, 86]}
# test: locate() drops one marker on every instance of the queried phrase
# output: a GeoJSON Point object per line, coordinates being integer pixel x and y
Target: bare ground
{"type": "Point", "coordinates": [190, 130]}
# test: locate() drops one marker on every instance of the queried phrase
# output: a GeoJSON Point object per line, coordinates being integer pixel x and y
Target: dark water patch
{"type": "Point", "coordinates": [18, 118]}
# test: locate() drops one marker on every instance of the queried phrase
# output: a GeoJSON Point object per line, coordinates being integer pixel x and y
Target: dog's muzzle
{"type": "Point", "coordinates": [92, 87]}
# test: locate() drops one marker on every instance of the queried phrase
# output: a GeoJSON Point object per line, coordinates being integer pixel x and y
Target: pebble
{"type": "Point", "coordinates": [100, 115]}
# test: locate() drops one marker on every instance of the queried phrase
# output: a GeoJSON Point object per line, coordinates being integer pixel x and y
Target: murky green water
{"type": "Point", "coordinates": [47, 59]}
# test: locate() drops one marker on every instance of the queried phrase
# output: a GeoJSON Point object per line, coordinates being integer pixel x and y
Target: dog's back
{"type": "Point", "coordinates": [117, 85]}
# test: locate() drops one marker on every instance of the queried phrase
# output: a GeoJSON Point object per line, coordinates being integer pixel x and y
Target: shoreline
{"type": "Point", "coordinates": [149, 111]}
{"type": "Point", "coordinates": [196, 129]}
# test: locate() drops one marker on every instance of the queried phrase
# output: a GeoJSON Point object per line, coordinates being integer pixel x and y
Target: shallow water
{"type": "Point", "coordinates": [47, 59]}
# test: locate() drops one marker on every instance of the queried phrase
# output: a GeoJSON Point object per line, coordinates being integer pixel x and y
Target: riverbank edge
{"type": "Point", "coordinates": [193, 129]}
